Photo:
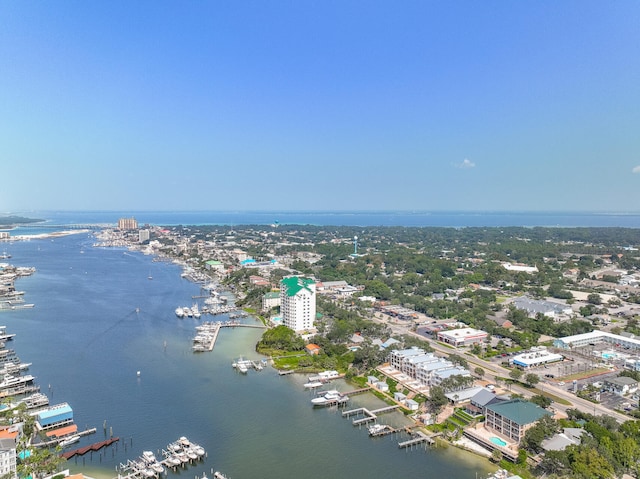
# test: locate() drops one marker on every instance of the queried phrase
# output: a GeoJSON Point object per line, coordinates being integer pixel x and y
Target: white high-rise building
{"type": "Point", "coordinates": [298, 303]}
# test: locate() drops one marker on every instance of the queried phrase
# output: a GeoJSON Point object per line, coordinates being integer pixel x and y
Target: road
{"type": "Point", "coordinates": [492, 370]}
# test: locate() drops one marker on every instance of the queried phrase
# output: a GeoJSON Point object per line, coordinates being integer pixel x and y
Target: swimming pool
{"type": "Point", "coordinates": [497, 441]}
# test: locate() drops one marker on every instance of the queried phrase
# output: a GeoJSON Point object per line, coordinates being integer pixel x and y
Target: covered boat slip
{"type": "Point", "coordinates": [63, 431]}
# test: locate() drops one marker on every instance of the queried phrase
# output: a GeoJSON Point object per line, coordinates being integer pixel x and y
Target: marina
{"type": "Point", "coordinates": [193, 389]}
{"type": "Point", "coordinates": [207, 334]}
{"type": "Point", "coordinates": [178, 454]}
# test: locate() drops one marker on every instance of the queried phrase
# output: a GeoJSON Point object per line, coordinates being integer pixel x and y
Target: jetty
{"type": "Point", "coordinates": [368, 415]}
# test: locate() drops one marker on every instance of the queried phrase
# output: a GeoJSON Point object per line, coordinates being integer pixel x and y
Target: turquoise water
{"type": "Point", "coordinates": [347, 218]}
{"type": "Point", "coordinates": [98, 320]}
{"type": "Point", "coordinates": [497, 441]}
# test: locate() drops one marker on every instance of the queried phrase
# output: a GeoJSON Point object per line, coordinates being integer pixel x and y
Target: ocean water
{"type": "Point", "coordinates": [347, 218]}
{"type": "Point", "coordinates": [98, 320]}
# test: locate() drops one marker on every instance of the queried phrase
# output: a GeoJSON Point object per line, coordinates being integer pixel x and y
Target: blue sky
{"type": "Point", "coordinates": [327, 105]}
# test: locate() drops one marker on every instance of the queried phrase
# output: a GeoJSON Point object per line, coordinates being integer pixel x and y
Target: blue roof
{"type": "Point", "coordinates": [49, 413]}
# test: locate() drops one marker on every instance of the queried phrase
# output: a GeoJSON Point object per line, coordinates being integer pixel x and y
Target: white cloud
{"type": "Point", "coordinates": [636, 169]}
{"type": "Point", "coordinates": [466, 164]}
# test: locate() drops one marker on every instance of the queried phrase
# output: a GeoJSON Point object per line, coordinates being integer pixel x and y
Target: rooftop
{"type": "Point", "coordinates": [519, 411]}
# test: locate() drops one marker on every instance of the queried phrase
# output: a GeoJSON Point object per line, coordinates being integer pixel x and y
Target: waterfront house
{"type": "Point", "coordinates": [312, 349]}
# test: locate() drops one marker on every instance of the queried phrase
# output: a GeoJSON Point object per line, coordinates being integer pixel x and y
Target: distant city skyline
{"type": "Point", "coordinates": [319, 106]}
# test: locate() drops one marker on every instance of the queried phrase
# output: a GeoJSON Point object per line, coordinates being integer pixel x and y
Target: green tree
{"type": "Point", "coordinates": [589, 464]}
{"type": "Point", "coordinates": [532, 379]}
{"type": "Point", "coordinates": [479, 372]}
{"type": "Point", "coordinates": [515, 374]}
{"type": "Point", "coordinates": [594, 298]}
{"type": "Point", "coordinates": [436, 400]}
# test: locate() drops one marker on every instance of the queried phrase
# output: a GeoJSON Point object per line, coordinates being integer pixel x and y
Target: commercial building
{"type": "Point", "coordinates": [462, 336]}
{"type": "Point", "coordinates": [548, 308]}
{"type": "Point", "coordinates": [536, 356]}
{"type": "Point", "coordinates": [595, 337]}
{"type": "Point", "coordinates": [54, 417]}
{"type": "Point", "coordinates": [298, 303]}
{"type": "Point", "coordinates": [622, 385]}
{"type": "Point", "coordinates": [127, 224]}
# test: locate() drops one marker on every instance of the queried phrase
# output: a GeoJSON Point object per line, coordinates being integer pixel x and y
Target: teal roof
{"type": "Point", "coordinates": [271, 295]}
{"type": "Point", "coordinates": [294, 284]}
{"type": "Point", "coordinates": [214, 261]}
{"type": "Point", "coordinates": [519, 411]}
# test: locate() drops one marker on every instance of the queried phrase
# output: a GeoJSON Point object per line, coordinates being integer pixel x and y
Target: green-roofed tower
{"type": "Point", "coordinates": [298, 302]}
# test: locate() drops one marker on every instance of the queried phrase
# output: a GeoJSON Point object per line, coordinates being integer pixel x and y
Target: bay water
{"type": "Point", "coordinates": [98, 320]}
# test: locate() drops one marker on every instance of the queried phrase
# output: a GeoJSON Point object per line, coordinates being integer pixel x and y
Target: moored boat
{"type": "Point", "coordinates": [329, 397]}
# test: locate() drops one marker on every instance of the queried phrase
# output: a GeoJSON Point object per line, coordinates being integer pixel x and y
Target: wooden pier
{"type": "Point", "coordinates": [419, 437]}
{"type": "Point", "coordinates": [93, 447]}
{"type": "Point", "coordinates": [368, 415]}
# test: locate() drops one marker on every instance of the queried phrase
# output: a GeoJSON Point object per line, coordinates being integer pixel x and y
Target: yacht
{"type": "Point", "coordinates": [69, 440]}
{"type": "Point", "coordinates": [180, 312]}
{"type": "Point", "coordinates": [313, 384]}
{"type": "Point", "coordinates": [376, 429]}
{"type": "Point", "coordinates": [329, 397]}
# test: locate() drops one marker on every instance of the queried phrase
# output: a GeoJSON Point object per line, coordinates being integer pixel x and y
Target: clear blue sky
{"type": "Point", "coordinates": [320, 105]}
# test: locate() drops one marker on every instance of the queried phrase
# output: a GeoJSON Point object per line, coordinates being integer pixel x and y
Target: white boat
{"type": "Point", "coordinates": [180, 312]}
{"type": "Point", "coordinates": [376, 429]}
{"type": "Point", "coordinates": [69, 440]}
{"type": "Point", "coordinates": [191, 454]}
{"type": "Point", "coordinates": [313, 384]}
{"type": "Point", "coordinates": [199, 450]}
{"type": "Point", "coordinates": [174, 460]}
{"type": "Point", "coordinates": [157, 468]}
{"type": "Point", "coordinates": [219, 475]}
{"type": "Point", "coordinates": [148, 457]}
{"type": "Point", "coordinates": [242, 368]}
{"type": "Point", "coordinates": [195, 311]}
{"type": "Point", "coordinates": [329, 397]}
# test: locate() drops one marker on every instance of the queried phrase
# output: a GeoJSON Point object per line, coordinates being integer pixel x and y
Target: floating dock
{"type": "Point", "coordinates": [368, 415]}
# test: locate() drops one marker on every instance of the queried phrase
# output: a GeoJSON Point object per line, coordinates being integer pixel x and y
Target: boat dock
{"type": "Point", "coordinates": [207, 333]}
{"type": "Point", "coordinates": [180, 453]}
{"type": "Point", "coordinates": [419, 437]}
{"type": "Point", "coordinates": [368, 415]}
{"type": "Point", "coordinates": [384, 430]}
{"type": "Point", "coordinates": [93, 447]}
{"type": "Point", "coordinates": [206, 337]}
